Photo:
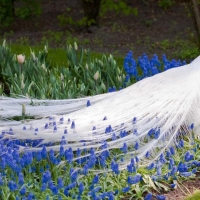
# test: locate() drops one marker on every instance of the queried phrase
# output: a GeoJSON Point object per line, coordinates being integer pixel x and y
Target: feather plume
{"type": "Point", "coordinates": [147, 116]}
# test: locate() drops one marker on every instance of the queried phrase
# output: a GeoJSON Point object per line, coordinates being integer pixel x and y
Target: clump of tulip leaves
{"type": "Point", "coordinates": [37, 78]}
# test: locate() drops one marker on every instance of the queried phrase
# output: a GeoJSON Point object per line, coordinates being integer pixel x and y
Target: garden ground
{"type": "Point", "coordinates": [187, 187]}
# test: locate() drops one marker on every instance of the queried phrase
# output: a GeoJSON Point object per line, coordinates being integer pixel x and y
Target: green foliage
{"type": "Point", "coordinates": [5, 58]}
{"type": "Point", "coordinates": [147, 22]}
{"type": "Point", "coordinates": [119, 7]}
{"type": "Point", "coordinates": [194, 196]}
{"type": "Point", "coordinates": [63, 20]}
{"type": "Point", "coordinates": [178, 49]}
{"type": "Point", "coordinates": [84, 68]}
{"type": "Point", "coordinates": [165, 44]}
{"type": "Point", "coordinates": [28, 9]}
{"type": "Point", "coordinates": [165, 4]}
{"type": "Point", "coordinates": [6, 12]}
{"type": "Point", "coordinates": [57, 38]}
{"type": "Point", "coordinates": [189, 54]}
{"type": "Point", "coordinates": [188, 49]}
{"type": "Point", "coordinates": [25, 9]}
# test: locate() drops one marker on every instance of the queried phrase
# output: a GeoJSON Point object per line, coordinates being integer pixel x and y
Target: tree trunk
{"type": "Point", "coordinates": [91, 11]}
{"type": "Point", "coordinates": [13, 7]}
{"type": "Point", "coordinates": [197, 17]}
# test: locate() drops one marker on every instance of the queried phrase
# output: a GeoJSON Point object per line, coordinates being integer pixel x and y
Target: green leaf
{"type": "Point", "coordinates": [160, 185]}
{"type": "Point", "coordinates": [135, 11]}
{"type": "Point", "coordinates": [147, 179]}
{"type": "Point", "coordinates": [122, 5]}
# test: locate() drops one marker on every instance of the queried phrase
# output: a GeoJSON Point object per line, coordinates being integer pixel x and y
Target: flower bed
{"type": "Point", "coordinates": [32, 169]}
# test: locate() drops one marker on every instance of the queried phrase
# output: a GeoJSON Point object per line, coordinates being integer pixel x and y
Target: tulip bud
{"type": "Point", "coordinates": [20, 59]}
{"type": "Point", "coordinates": [70, 46]}
{"type": "Point", "coordinates": [22, 76]}
{"type": "Point", "coordinates": [119, 78]}
{"type": "Point", "coordinates": [96, 75]}
{"type": "Point", "coordinates": [103, 86]}
{"type": "Point", "coordinates": [61, 77]}
{"type": "Point", "coordinates": [45, 49]}
{"type": "Point", "coordinates": [75, 46]}
{"type": "Point", "coordinates": [118, 70]}
{"type": "Point", "coordinates": [86, 66]}
{"type": "Point", "coordinates": [33, 56]}
{"type": "Point", "coordinates": [44, 68]}
{"type": "Point", "coordinates": [22, 84]}
{"type": "Point", "coordinates": [82, 87]}
{"type": "Point", "coordinates": [4, 43]}
{"type": "Point", "coordinates": [101, 63]}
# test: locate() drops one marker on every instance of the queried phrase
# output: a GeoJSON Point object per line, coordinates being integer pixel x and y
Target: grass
{"type": "Point", "coordinates": [57, 56]}
{"type": "Point", "coordinates": [194, 196]}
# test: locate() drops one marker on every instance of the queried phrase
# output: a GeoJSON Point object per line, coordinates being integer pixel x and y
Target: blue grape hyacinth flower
{"type": "Point", "coordinates": [133, 180]}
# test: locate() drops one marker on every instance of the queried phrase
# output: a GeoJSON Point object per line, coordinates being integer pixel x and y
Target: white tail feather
{"type": "Point", "coordinates": [168, 101]}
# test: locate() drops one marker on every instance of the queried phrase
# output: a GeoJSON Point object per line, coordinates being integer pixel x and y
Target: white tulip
{"type": "Point", "coordinates": [33, 56]}
{"type": "Point", "coordinates": [44, 68]}
{"type": "Point", "coordinates": [22, 77]}
{"type": "Point", "coordinates": [22, 85]}
{"type": "Point", "coordinates": [96, 75]}
{"type": "Point", "coordinates": [86, 66]}
{"type": "Point", "coordinates": [75, 46]}
{"type": "Point", "coordinates": [103, 86]}
{"type": "Point", "coordinates": [119, 78]}
{"type": "Point", "coordinates": [45, 49]}
{"type": "Point", "coordinates": [4, 43]}
{"type": "Point", "coordinates": [61, 77]}
{"type": "Point", "coordinates": [20, 59]}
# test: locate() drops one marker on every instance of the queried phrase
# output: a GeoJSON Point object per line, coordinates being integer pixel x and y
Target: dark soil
{"type": "Point", "coordinates": [186, 188]}
{"type": "Point", "coordinates": [153, 31]}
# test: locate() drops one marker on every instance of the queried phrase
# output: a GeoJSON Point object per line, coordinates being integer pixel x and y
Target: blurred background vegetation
{"type": "Point", "coordinates": [105, 26]}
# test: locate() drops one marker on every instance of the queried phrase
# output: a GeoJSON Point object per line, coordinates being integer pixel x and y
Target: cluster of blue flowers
{"type": "Point", "coordinates": [145, 67]}
{"type": "Point", "coordinates": [136, 70]}
{"type": "Point", "coordinates": [42, 164]}
{"type": "Point", "coordinates": [16, 168]}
